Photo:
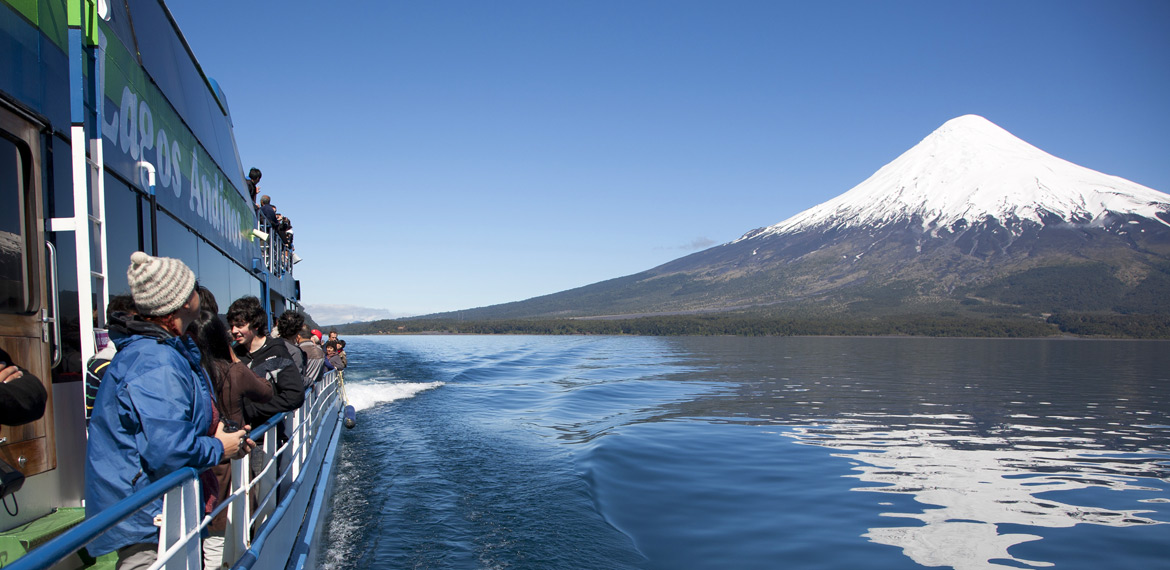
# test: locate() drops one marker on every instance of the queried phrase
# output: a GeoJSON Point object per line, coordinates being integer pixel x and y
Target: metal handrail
{"type": "Point", "coordinates": [76, 538]}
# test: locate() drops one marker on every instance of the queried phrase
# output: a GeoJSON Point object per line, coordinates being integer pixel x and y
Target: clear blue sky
{"type": "Point", "coordinates": [442, 155]}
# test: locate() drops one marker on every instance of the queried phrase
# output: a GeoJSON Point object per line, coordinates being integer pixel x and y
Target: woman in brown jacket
{"type": "Point", "coordinates": [232, 382]}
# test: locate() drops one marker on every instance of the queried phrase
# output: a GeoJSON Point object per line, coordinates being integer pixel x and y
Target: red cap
{"type": "Point", "coordinates": [318, 333]}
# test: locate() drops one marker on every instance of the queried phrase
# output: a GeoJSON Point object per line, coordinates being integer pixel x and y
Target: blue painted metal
{"type": "Point", "coordinates": [76, 538]}
{"type": "Point", "coordinates": [76, 77]}
{"type": "Point", "coordinates": [321, 494]}
{"type": "Point", "coordinates": [65, 545]}
{"type": "Point", "coordinates": [259, 432]}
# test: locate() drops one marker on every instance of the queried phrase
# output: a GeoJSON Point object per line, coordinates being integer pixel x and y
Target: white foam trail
{"type": "Point", "coordinates": [366, 395]}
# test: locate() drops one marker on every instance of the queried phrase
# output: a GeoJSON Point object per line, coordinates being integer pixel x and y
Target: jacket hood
{"type": "Point", "coordinates": [124, 326]}
{"type": "Point", "coordinates": [127, 329]}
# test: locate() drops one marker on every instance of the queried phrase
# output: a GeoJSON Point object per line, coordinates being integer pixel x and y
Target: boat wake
{"type": "Point", "coordinates": [367, 394]}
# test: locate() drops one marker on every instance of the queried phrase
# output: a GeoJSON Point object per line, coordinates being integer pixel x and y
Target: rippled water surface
{"type": "Point", "coordinates": [532, 452]}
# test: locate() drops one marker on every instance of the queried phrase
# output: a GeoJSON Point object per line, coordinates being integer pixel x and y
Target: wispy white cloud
{"type": "Point", "coordinates": [695, 245]}
{"type": "Point", "coordinates": [328, 314]}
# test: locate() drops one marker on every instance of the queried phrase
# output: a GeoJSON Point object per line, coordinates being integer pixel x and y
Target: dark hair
{"type": "Point", "coordinates": [248, 310]}
{"type": "Point", "coordinates": [331, 344]}
{"type": "Point", "coordinates": [120, 304]}
{"type": "Point", "coordinates": [289, 323]}
{"type": "Point", "coordinates": [254, 173]}
{"type": "Point", "coordinates": [211, 336]}
{"type": "Point", "coordinates": [207, 301]}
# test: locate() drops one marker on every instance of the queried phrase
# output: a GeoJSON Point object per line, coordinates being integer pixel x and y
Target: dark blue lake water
{"type": "Point", "coordinates": [528, 452]}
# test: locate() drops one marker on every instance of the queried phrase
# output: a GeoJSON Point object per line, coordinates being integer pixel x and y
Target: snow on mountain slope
{"type": "Point", "coordinates": [970, 168]}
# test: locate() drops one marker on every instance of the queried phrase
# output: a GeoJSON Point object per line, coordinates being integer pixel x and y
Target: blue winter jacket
{"type": "Point", "coordinates": [151, 417]}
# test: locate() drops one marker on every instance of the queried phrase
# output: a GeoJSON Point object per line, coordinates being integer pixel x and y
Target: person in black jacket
{"type": "Point", "coordinates": [267, 357]}
{"type": "Point", "coordinates": [22, 396]}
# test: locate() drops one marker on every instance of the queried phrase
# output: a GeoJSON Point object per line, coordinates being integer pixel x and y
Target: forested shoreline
{"type": "Point", "coordinates": [1078, 324]}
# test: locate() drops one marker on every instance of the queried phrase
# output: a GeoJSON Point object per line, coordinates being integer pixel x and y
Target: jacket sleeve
{"type": "Point", "coordinates": [22, 400]}
{"type": "Point", "coordinates": [289, 392]}
{"type": "Point", "coordinates": [162, 400]}
{"type": "Point", "coordinates": [314, 367]}
{"type": "Point", "coordinates": [249, 385]}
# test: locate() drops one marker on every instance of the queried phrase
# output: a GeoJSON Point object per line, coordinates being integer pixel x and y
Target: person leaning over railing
{"type": "Point", "coordinates": [333, 354]}
{"type": "Point", "coordinates": [155, 412]}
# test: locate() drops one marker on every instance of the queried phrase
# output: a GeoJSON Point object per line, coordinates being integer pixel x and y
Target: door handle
{"type": "Point", "coordinates": [54, 321]}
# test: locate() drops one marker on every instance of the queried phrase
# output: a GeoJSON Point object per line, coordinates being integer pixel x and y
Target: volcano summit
{"type": "Point", "coordinates": [971, 219]}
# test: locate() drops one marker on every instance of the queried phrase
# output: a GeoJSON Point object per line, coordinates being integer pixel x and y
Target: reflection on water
{"type": "Point", "coordinates": [973, 484]}
{"type": "Point", "coordinates": [988, 436]}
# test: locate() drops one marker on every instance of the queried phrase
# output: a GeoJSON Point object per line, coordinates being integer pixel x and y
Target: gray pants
{"type": "Point", "coordinates": [137, 556]}
{"type": "Point", "coordinates": [213, 551]}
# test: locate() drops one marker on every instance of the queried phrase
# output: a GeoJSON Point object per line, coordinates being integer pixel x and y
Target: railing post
{"type": "Point", "coordinates": [310, 408]}
{"type": "Point", "coordinates": [236, 536]}
{"type": "Point", "coordinates": [291, 460]}
{"type": "Point", "coordinates": [182, 511]}
{"type": "Point", "coordinates": [268, 480]}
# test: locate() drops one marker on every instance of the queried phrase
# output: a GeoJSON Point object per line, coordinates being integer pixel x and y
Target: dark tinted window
{"type": "Point", "coordinates": [215, 274]}
{"type": "Point", "coordinates": [243, 283]}
{"type": "Point", "coordinates": [169, 63]}
{"type": "Point", "coordinates": [122, 232]}
{"type": "Point", "coordinates": [175, 240]}
{"type": "Point", "coordinates": [13, 263]}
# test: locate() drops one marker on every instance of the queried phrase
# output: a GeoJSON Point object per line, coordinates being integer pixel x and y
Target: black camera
{"type": "Point", "coordinates": [230, 426]}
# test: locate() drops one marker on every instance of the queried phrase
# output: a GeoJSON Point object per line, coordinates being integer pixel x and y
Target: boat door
{"type": "Point", "coordinates": [23, 332]}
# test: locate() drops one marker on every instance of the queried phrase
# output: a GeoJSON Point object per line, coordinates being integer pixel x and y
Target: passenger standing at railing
{"type": "Point", "coordinates": [254, 185]}
{"type": "Point", "coordinates": [233, 381]}
{"type": "Point", "coordinates": [314, 357]}
{"type": "Point", "coordinates": [288, 324]}
{"type": "Point", "coordinates": [268, 211]}
{"type": "Point", "coordinates": [267, 357]}
{"type": "Point", "coordinates": [154, 412]}
{"type": "Point", "coordinates": [340, 348]}
{"type": "Point", "coordinates": [334, 356]}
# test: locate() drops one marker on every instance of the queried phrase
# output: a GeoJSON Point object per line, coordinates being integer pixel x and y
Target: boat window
{"type": "Point", "coordinates": [244, 283]}
{"type": "Point", "coordinates": [13, 261]}
{"type": "Point", "coordinates": [122, 233]}
{"type": "Point", "coordinates": [175, 240]}
{"type": "Point", "coordinates": [172, 68]}
{"type": "Point", "coordinates": [214, 273]}
{"type": "Point", "coordinates": [60, 193]}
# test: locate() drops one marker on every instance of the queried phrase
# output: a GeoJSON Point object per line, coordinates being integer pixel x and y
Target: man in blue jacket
{"type": "Point", "coordinates": [154, 412]}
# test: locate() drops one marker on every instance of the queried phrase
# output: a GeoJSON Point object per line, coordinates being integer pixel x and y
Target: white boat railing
{"type": "Point", "coordinates": [278, 257]}
{"type": "Point", "coordinates": [183, 518]}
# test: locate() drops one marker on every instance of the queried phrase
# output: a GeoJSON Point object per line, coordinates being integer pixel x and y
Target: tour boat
{"type": "Point", "coordinates": [114, 140]}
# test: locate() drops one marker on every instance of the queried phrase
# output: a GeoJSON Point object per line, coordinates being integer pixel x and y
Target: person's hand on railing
{"type": "Point", "coordinates": [236, 443]}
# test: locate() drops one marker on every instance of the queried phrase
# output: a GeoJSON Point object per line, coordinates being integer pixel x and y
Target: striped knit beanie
{"type": "Point", "coordinates": [160, 285]}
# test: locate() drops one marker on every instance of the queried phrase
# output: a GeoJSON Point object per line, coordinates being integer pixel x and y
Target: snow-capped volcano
{"type": "Point", "coordinates": [971, 222]}
{"type": "Point", "coordinates": [969, 169]}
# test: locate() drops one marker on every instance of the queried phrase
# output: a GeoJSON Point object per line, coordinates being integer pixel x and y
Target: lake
{"type": "Point", "coordinates": [534, 452]}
